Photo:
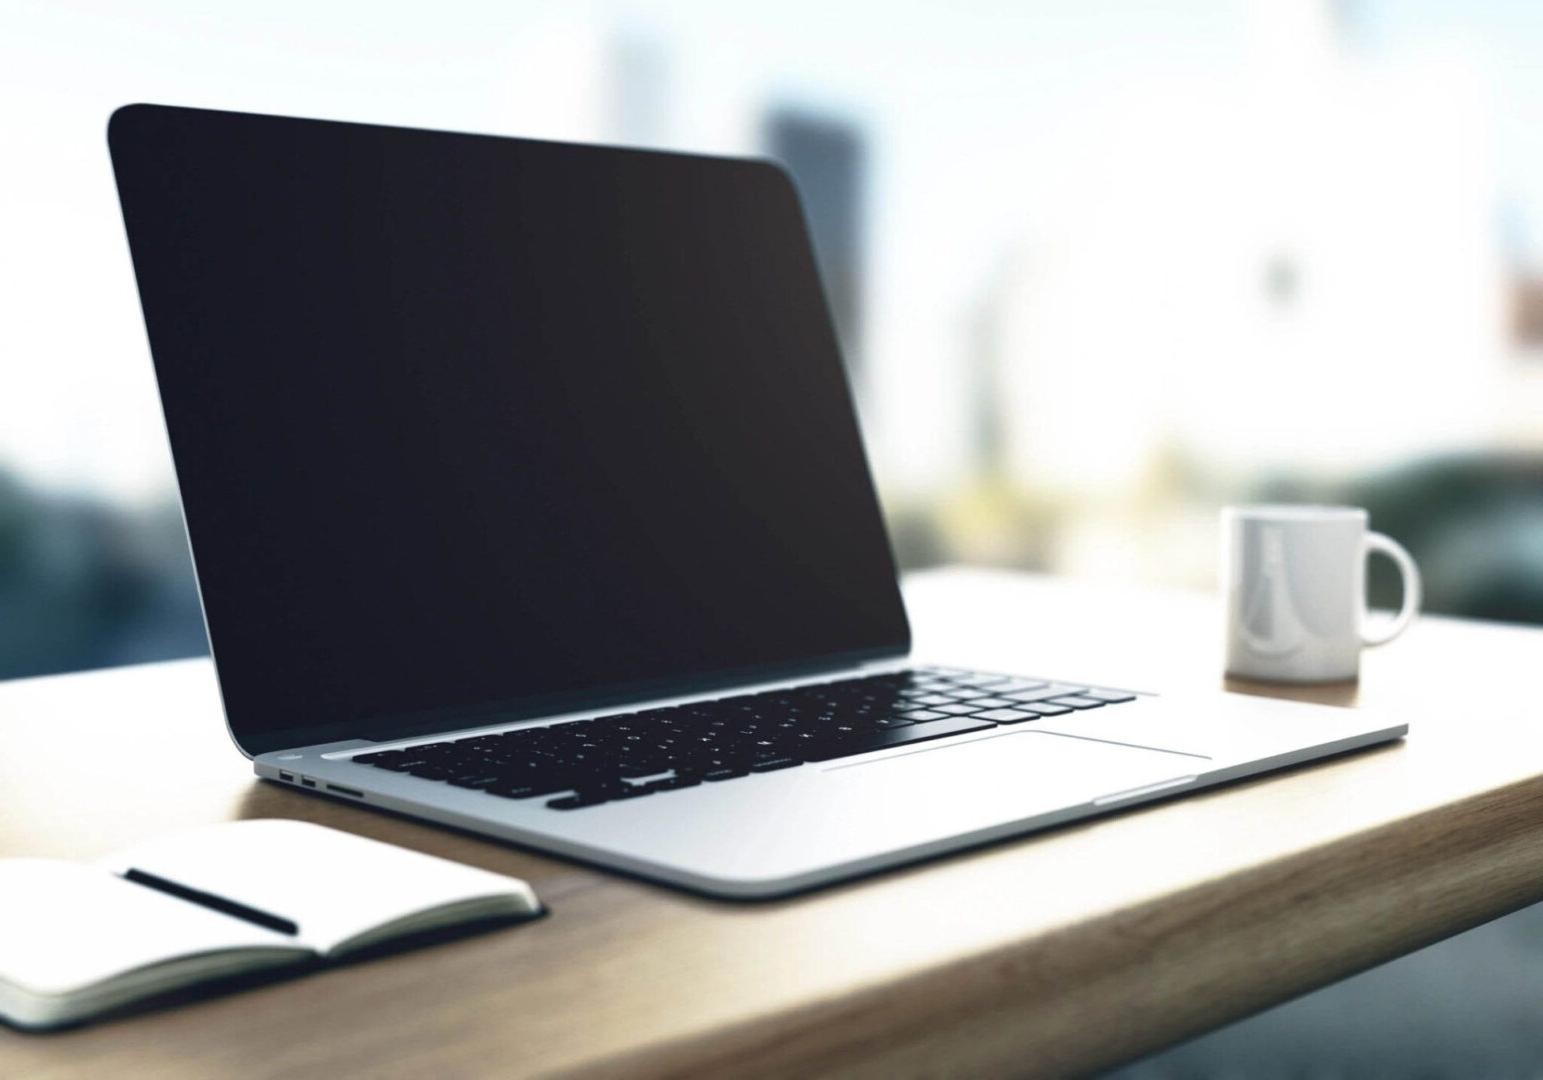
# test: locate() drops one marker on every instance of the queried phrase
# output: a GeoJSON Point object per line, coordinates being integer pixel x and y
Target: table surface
{"type": "Point", "coordinates": [1059, 952]}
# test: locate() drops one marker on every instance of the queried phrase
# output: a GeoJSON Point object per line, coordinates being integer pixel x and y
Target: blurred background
{"type": "Point", "coordinates": [1098, 267]}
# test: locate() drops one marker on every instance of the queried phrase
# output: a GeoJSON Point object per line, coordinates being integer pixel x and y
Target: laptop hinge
{"type": "Point", "coordinates": [387, 729]}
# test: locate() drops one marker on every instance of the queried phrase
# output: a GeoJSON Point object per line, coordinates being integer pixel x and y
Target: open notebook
{"type": "Point", "coordinates": [77, 940]}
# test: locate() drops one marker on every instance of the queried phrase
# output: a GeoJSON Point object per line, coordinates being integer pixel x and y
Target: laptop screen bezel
{"type": "Point", "coordinates": [253, 742]}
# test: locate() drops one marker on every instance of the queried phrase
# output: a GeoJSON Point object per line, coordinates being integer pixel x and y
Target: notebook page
{"type": "Point", "coordinates": [334, 885]}
{"type": "Point", "coordinates": [68, 926]}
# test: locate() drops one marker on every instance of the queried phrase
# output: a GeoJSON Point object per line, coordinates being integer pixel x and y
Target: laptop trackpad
{"type": "Point", "coordinates": [1013, 773]}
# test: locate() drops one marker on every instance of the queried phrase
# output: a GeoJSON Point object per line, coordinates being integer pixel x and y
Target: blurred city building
{"type": "Point", "coordinates": [827, 160]}
{"type": "Point", "coordinates": [638, 80]}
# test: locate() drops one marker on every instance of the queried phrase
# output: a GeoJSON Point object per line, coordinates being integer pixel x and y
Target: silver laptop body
{"type": "Point", "coordinates": [795, 829]}
{"type": "Point", "coordinates": [526, 496]}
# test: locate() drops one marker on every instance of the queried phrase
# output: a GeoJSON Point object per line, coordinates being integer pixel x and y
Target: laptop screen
{"type": "Point", "coordinates": [466, 423]}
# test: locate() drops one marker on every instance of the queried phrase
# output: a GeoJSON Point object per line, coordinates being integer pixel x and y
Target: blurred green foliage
{"type": "Point", "coordinates": [1474, 523]}
{"type": "Point", "coordinates": [85, 584]}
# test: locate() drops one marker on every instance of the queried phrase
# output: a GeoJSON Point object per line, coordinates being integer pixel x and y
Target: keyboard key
{"type": "Point", "coordinates": [989, 703]}
{"type": "Point", "coordinates": [1017, 685]}
{"type": "Point", "coordinates": [528, 790]}
{"type": "Point", "coordinates": [673, 783]}
{"type": "Point", "coordinates": [1109, 697]}
{"type": "Point", "coordinates": [430, 771]}
{"type": "Point", "coordinates": [775, 763]}
{"type": "Point", "coordinates": [1075, 702]}
{"type": "Point", "coordinates": [474, 782]}
{"type": "Point", "coordinates": [922, 714]}
{"type": "Point", "coordinates": [884, 740]}
{"type": "Point", "coordinates": [397, 762]}
{"type": "Point", "coordinates": [957, 709]}
{"type": "Point", "coordinates": [715, 775]}
{"type": "Point", "coordinates": [1006, 716]}
{"type": "Point", "coordinates": [636, 770]}
{"type": "Point", "coordinates": [1044, 708]}
{"type": "Point", "coordinates": [1045, 693]}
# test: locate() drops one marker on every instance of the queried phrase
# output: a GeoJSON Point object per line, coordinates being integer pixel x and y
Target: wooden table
{"type": "Point", "coordinates": [1062, 952]}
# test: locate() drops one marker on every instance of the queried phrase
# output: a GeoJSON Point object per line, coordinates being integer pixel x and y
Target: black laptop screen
{"type": "Point", "coordinates": [463, 421]}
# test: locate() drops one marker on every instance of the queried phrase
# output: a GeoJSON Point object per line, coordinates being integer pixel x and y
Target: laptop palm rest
{"type": "Point", "coordinates": [915, 800]}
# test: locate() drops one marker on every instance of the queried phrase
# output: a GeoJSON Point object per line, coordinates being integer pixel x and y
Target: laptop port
{"type": "Point", "coordinates": [345, 791]}
{"type": "Point", "coordinates": [287, 776]}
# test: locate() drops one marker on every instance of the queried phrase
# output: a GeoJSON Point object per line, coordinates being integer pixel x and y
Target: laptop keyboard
{"type": "Point", "coordinates": [631, 755]}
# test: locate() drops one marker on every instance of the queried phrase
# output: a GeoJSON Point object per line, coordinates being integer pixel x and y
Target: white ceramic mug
{"type": "Point", "coordinates": [1294, 579]}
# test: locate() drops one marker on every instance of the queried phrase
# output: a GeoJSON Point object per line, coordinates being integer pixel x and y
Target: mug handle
{"type": "Point", "coordinates": [1376, 542]}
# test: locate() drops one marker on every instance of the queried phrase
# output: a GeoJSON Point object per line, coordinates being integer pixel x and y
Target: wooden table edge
{"type": "Point", "coordinates": [1159, 972]}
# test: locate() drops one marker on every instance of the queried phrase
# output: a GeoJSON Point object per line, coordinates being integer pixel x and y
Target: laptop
{"type": "Point", "coordinates": [526, 496]}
